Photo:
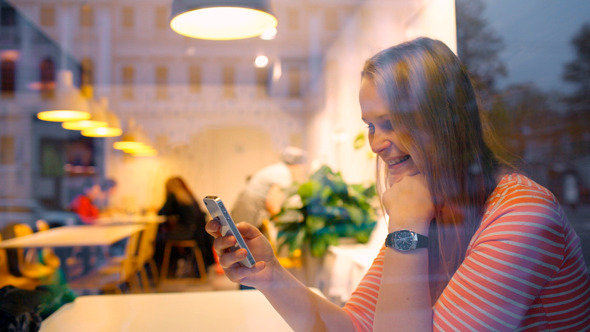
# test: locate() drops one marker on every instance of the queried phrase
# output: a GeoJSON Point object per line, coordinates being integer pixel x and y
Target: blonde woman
{"type": "Point", "coordinates": [472, 245]}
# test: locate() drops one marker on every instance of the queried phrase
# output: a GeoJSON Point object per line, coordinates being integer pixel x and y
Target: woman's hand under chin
{"type": "Point", "coordinates": [408, 203]}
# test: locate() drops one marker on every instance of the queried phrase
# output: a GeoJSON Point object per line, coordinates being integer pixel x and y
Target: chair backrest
{"type": "Point", "coordinates": [42, 225]}
{"type": "Point", "coordinates": [22, 230]}
{"type": "Point", "coordinates": [48, 256]}
{"type": "Point", "coordinates": [147, 243]}
{"type": "Point", "coordinates": [128, 265]}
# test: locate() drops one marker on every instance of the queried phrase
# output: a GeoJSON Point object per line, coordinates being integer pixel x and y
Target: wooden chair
{"type": "Point", "coordinates": [28, 263]}
{"type": "Point", "coordinates": [6, 278]}
{"type": "Point", "coordinates": [119, 272]}
{"type": "Point", "coordinates": [144, 258]}
{"type": "Point", "coordinates": [145, 254]}
{"type": "Point", "coordinates": [47, 255]}
{"type": "Point", "coordinates": [192, 244]}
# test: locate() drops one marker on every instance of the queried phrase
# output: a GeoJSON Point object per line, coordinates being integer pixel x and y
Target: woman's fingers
{"type": "Point", "coordinates": [213, 227]}
{"type": "Point", "coordinates": [222, 243]}
{"type": "Point", "coordinates": [229, 257]}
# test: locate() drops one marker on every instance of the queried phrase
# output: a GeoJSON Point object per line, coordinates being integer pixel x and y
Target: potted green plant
{"type": "Point", "coordinates": [324, 209]}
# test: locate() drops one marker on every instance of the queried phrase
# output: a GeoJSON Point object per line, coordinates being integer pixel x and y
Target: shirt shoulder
{"type": "Point", "coordinates": [519, 205]}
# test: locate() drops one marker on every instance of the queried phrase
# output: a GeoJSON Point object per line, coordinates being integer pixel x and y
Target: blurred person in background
{"type": "Point", "coordinates": [108, 188]}
{"type": "Point", "coordinates": [85, 203]}
{"type": "Point", "coordinates": [264, 194]}
{"type": "Point", "coordinates": [85, 206]}
{"type": "Point", "coordinates": [184, 221]}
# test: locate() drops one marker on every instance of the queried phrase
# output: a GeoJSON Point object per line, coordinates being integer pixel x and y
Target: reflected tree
{"type": "Point", "coordinates": [577, 72]}
{"type": "Point", "coordinates": [478, 46]}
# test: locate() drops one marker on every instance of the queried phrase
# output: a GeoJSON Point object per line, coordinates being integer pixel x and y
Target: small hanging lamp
{"type": "Point", "coordinates": [113, 127]}
{"type": "Point", "coordinates": [98, 118]}
{"type": "Point", "coordinates": [133, 138]}
{"type": "Point", "coordinates": [221, 19]}
{"type": "Point", "coordinates": [68, 103]}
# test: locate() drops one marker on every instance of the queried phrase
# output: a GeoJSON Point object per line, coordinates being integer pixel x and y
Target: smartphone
{"type": "Point", "coordinates": [218, 211]}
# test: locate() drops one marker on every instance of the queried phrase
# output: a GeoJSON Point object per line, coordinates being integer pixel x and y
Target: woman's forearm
{"type": "Point", "coordinates": [404, 297]}
{"type": "Point", "coordinates": [303, 309]}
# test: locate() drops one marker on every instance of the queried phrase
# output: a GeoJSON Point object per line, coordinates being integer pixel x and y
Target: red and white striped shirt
{"type": "Point", "coordinates": [523, 270]}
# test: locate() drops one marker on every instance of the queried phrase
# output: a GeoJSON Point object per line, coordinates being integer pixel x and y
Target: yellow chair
{"type": "Point", "coordinates": [115, 274]}
{"type": "Point", "coordinates": [6, 278]}
{"type": "Point", "coordinates": [183, 244]}
{"type": "Point", "coordinates": [28, 263]}
{"type": "Point", "coordinates": [145, 254]}
{"type": "Point", "coordinates": [144, 258]}
{"type": "Point", "coordinates": [48, 256]}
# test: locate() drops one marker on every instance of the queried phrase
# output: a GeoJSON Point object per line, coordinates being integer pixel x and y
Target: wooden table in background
{"type": "Point", "coordinates": [74, 236]}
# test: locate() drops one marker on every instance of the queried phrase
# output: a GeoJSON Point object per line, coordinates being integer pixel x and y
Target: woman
{"type": "Point", "coordinates": [489, 248]}
{"type": "Point", "coordinates": [186, 220]}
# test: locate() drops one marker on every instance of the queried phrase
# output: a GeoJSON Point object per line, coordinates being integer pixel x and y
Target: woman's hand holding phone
{"type": "Point", "coordinates": [260, 274]}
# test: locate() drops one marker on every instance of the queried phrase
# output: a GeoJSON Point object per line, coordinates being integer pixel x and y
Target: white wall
{"type": "Point", "coordinates": [376, 25]}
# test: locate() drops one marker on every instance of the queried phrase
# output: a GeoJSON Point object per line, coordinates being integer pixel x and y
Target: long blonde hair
{"type": "Point", "coordinates": [177, 187]}
{"type": "Point", "coordinates": [436, 115]}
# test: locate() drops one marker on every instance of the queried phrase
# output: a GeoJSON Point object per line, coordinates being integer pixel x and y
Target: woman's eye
{"type": "Point", "coordinates": [371, 128]}
{"type": "Point", "coordinates": [388, 126]}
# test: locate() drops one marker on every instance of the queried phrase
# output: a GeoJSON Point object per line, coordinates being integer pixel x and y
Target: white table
{"type": "Point", "coordinates": [218, 311]}
{"type": "Point", "coordinates": [74, 236]}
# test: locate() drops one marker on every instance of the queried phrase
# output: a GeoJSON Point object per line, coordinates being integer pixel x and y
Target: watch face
{"type": "Point", "coordinates": [404, 240]}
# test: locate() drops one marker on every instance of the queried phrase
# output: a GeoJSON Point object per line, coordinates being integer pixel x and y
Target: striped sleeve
{"type": "Point", "coordinates": [362, 303]}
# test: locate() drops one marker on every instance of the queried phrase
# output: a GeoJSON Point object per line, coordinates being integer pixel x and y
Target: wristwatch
{"type": "Point", "coordinates": [405, 240]}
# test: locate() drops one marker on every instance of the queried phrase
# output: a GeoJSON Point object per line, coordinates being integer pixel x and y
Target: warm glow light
{"type": "Point", "coordinates": [128, 145]}
{"type": "Point", "coordinates": [261, 61]}
{"type": "Point", "coordinates": [222, 23]}
{"type": "Point", "coordinates": [84, 124]}
{"type": "Point", "coordinates": [146, 151]}
{"type": "Point", "coordinates": [269, 34]}
{"type": "Point", "coordinates": [63, 115]}
{"type": "Point", "coordinates": [277, 71]}
{"type": "Point", "coordinates": [102, 132]}
{"type": "Point", "coordinates": [10, 55]}
{"type": "Point", "coordinates": [68, 104]}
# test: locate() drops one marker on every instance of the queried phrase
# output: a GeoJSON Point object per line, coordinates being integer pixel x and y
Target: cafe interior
{"type": "Point", "coordinates": [141, 92]}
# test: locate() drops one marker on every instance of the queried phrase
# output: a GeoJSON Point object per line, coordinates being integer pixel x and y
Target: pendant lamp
{"type": "Point", "coordinates": [146, 151]}
{"type": "Point", "coordinates": [113, 127]}
{"type": "Point", "coordinates": [133, 138]}
{"type": "Point", "coordinates": [98, 118]}
{"type": "Point", "coordinates": [68, 103]}
{"type": "Point", "coordinates": [221, 19]}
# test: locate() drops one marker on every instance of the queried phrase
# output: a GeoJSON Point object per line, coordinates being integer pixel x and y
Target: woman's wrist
{"type": "Point", "coordinates": [279, 277]}
{"type": "Point", "coordinates": [420, 227]}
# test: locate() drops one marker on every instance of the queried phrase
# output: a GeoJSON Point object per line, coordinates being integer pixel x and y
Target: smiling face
{"type": "Point", "coordinates": [382, 138]}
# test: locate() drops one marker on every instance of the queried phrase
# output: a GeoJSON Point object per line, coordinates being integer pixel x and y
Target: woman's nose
{"type": "Point", "coordinates": [379, 142]}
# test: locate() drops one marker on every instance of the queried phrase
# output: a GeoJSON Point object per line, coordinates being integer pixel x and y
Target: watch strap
{"type": "Point", "coordinates": [422, 241]}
